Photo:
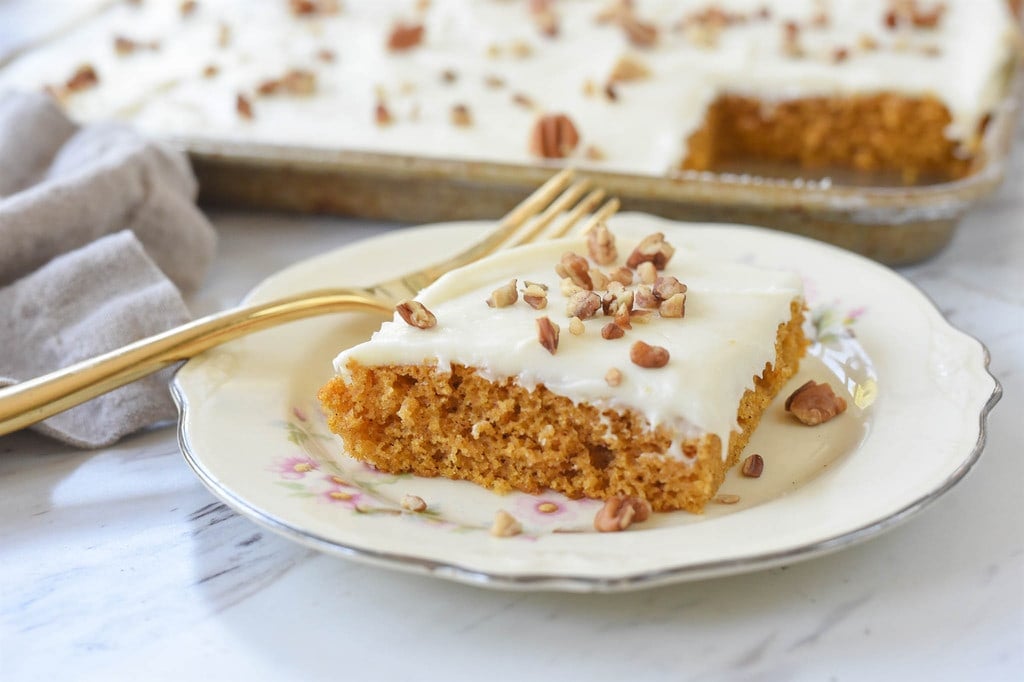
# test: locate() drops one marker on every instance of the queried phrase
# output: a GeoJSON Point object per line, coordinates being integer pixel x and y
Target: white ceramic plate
{"type": "Point", "coordinates": [919, 391]}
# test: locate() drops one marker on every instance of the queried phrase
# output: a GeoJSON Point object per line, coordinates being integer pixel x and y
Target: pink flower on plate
{"type": "Point", "coordinates": [341, 496]}
{"type": "Point", "coordinates": [854, 315]}
{"type": "Point", "coordinates": [542, 509]}
{"type": "Point", "coordinates": [335, 479]}
{"type": "Point", "coordinates": [294, 468]}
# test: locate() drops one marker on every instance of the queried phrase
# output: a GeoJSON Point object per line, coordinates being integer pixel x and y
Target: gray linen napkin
{"type": "Point", "coordinates": [98, 231]}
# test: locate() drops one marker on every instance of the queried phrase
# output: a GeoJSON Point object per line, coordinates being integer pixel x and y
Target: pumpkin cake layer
{"type": "Point", "coordinates": [479, 398]}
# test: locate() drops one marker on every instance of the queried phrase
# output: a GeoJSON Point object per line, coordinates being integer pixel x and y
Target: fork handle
{"type": "Point", "coordinates": [28, 402]}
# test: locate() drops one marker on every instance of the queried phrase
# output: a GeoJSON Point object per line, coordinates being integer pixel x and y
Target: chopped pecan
{"type": "Point", "coordinates": [505, 525]}
{"type": "Point", "coordinates": [125, 46]}
{"type": "Point", "coordinates": [867, 42]}
{"type": "Point", "coordinates": [310, 8]}
{"type": "Point", "coordinates": [223, 35]}
{"type": "Point", "coordinates": [753, 466]}
{"type": "Point", "coordinates": [598, 279]}
{"type": "Point", "coordinates": [325, 55]}
{"type": "Point", "coordinates": [726, 498]}
{"type": "Point", "coordinates": [673, 306]}
{"type": "Point", "coordinates": [84, 77]}
{"type": "Point", "coordinates": [520, 49]}
{"type": "Point", "coordinates": [652, 248]}
{"type": "Point", "coordinates": [187, 7]}
{"type": "Point", "coordinates": [647, 356]}
{"type": "Point", "coordinates": [640, 316]}
{"type": "Point", "coordinates": [583, 304]}
{"type": "Point", "coordinates": [567, 286]}
{"type": "Point", "coordinates": [613, 377]}
{"type": "Point", "coordinates": [647, 272]}
{"type": "Point", "coordinates": [461, 117]}
{"type": "Point", "coordinates": [614, 12]}
{"type": "Point", "coordinates": [628, 68]}
{"type": "Point", "coordinates": [644, 298]}
{"type": "Point", "coordinates": [622, 275]}
{"type": "Point", "coordinates": [449, 75]}
{"type": "Point", "coordinates": [612, 331]}
{"type": "Point", "coordinates": [413, 503]}
{"type": "Point", "coordinates": [576, 326]}
{"type": "Point", "coordinates": [405, 37]}
{"type": "Point", "coordinates": [493, 81]}
{"type": "Point", "coordinates": [553, 136]}
{"type": "Point", "coordinates": [210, 70]}
{"type": "Point", "coordinates": [577, 268]}
{"type": "Point", "coordinates": [522, 100]}
{"type": "Point", "coordinates": [666, 287]}
{"type": "Point", "coordinates": [382, 115]}
{"type": "Point", "coordinates": [618, 301]}
{"type": "Point", "coordinates": [504, 296]}
{"type": "Point", "coordinates": [594, 153]}
{"type": "Point", "coordinates": [544, 17]}
{"type": "Point", "coordinates": [535, 296]}
{"type": "Point", "coordinates": [620, 512]}
{"type": "Point", "coordinates": [294, 82]}
{"type": "Point", "coordinates": [640, 33]}
{"type": "Point", "coordinates": [243, 106]}
{"type": "Point", "coordinates": [815, 403]}
{"type": "Point", "coordinates": [601, 244]}
{"type": "Point", "coordinates": [547, 334]}
{"type": "Point", "coordinates": [416, 314]}
{"type": "Point", "coordinates": [791, 46]}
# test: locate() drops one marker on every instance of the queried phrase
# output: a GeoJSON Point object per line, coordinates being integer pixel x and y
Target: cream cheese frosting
{"type": "Point", "coordinates": [728, 333]}
{"type": "Point", "coordinates": [480, 43]}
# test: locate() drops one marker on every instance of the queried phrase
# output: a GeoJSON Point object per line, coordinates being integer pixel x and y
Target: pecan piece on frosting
{"type": "Point", "coordinates": [461, 116]}
{"type": "Point", "coordinates": [554, 136]}
{"type": "Point", "coordinates": [243, 106]}
{"type": "Point", "coordinates": [544, 17]}
{"type": "Point", "coordinates": [416, 314]}
{"type": "Point", "coordinates": [612, 331]}
{"type": "Point", "coordinates": [640, 33]}
{"type": "Point", "coordinates": [654, 249]}
{"type": "Point", "coordinates": [535, 296]}
{"type": "Point", "coordinates": [815, 403]}
{"type": "Point", "coordinates": [84, 77]}
{"type": "Point", "coordinates": [405, 36]}
{"type": "Point", "coordinates": [504, 296]}
{"type": "Point", "coordinates": [628, 68]}
{"type": "Point", "coordinates": [673, 306]}
{"type": "Point", "coordinates": [547, 334]}
{"type": "Point", "coordinates": [601, 244]}
{"type": "Point", "coordinates": [648, 356]}
{"type": "Point", "coordinates": [312, 8]}
{"type": "Point", "coordinates": [620, 512]}
{"type": "Point", "coordinates": [666, 287]}
{"type": "Point", "coordinates": [582, 304]}
{"type": "Point", "coordinates": [576, 268]}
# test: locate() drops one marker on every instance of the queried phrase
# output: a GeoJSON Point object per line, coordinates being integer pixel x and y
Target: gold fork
{"type": "Point", "coordinates": [32, 401]}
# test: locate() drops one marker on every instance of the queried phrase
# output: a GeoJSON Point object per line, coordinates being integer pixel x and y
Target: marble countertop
{"type": "Point", "coordinates": [118, 564]}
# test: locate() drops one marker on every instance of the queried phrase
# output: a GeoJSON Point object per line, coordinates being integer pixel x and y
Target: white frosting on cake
{"type": "Point", "coordinates": [644, 130]}
{"type": "Point", "coordinates": [727, 335]}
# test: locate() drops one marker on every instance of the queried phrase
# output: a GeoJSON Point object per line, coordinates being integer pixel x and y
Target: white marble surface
{"type": "Point", "coordinates": [118, 564]}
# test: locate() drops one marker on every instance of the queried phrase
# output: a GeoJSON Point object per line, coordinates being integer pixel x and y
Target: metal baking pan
{"type": "Point", "coordinates": [893, 224]}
